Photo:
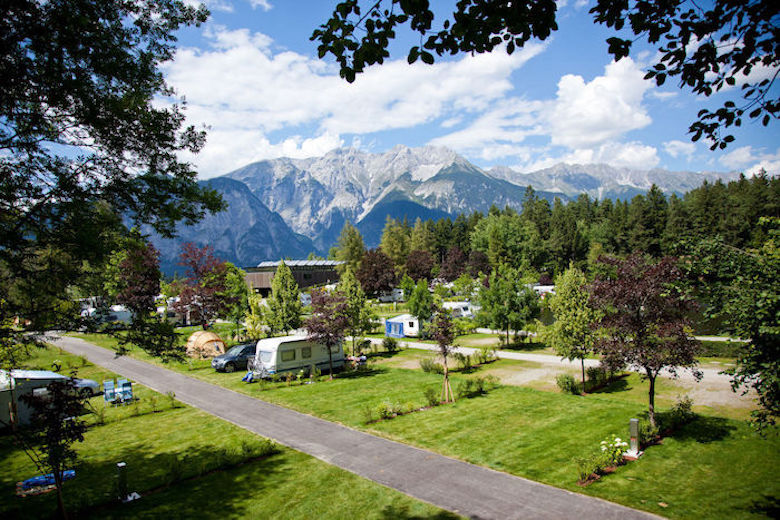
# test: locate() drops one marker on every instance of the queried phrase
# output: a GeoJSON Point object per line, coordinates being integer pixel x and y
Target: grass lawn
{"type": "Point", "coordinates": [715, 467]}
{"type": "Point", "coordinates": [189, 464]}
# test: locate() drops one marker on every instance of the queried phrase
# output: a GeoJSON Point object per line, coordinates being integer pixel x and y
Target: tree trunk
{"type": "Point", "coordinates": [60, 498]}
{"type": "Point", "coordinates": [651, 406]}
{"type": "Point", "coordinates": [507, 335]}
{"type": "Point", "coordinates": [330, 362]}
{"type": "Point", "coordinates": [582, 360]}
{"type": "Point", "coordinates": [446, 390]}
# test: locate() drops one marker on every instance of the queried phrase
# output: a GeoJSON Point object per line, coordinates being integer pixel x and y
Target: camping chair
{"type": "Point", "coordinates": [126, 391]}
{"type": "Point", "coordinates": [109, 391]}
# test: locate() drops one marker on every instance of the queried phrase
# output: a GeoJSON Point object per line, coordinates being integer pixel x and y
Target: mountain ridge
{"type": "Point", "coordinates": [290, 207]}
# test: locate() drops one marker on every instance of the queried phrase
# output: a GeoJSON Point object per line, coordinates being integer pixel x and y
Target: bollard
{"type": "Point", "coordinates": [633, 452]}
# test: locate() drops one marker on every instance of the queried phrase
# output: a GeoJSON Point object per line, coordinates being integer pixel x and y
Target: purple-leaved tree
{"type": "Point", "coordinates": [328, 322]}
{"type": "Point", "coordinates": [645, 318]}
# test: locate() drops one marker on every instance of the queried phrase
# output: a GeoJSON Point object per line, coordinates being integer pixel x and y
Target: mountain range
{"type": "Point", "coordinates": [291, 207]}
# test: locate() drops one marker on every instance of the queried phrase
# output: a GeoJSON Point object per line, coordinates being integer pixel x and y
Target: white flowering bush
{"type": "Point", "coordinates": [612, 451]}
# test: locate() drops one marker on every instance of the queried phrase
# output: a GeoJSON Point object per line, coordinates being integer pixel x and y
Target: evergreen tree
{"type": "Point", "coordinates": [422, 238]}
{"type": "Point", "coordinates": [284, 305]}
{"type": "Point", "coordinates": [566, 244]}
{"type": "Point", "coordinates": [253, 318]}
{"type": "Point", "coordinates": [395, 241]}
{"type": "Point", "coordinates": [350, 248]}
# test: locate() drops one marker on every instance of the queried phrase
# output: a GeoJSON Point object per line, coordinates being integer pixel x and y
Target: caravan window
{"type": "Point", "coordinates": [411, 324]}
{"type": "Point", "coordinates": [288, 355]}
{"type": "Point", "coordinates": [306, 352]}
{"type": "Point", "coordinates": [265, 356]}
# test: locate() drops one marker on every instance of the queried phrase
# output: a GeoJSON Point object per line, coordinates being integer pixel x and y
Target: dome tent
{"type": "Point", "coordinates": [205, 344]}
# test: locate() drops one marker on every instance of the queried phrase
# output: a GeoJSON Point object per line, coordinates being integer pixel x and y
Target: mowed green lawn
{"type": "Point", "coordinates": [189, 464]}
{"type": "Point", "coordinates": [713, 468]}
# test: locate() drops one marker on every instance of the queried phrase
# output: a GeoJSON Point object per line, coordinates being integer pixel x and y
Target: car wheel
{"type": "Point", "coordinates": [230, 367]}
{"type": "Point", "coordinates": [86, 393]}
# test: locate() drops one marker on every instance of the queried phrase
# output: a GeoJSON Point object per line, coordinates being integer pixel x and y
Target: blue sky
{"type": "Point", "coordinates": [251, 75]}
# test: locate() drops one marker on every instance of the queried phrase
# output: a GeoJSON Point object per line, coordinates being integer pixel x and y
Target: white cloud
{"type": "Point", "coordinates": [587, 114]}
{"type": "Point", "coordinates": [583, 124]}
{"type": "Point", "coordinates": [213, 5]}
{"type": "Point", "coordinates": [265, 5]}
{"type": "Point", "coordinates": [658, 94]}
{"type": "Point", "coordinates": [752, 161]}
{"type": "Point", "coordinates": [243, 90]}
{"type": "Point", "coordinates": [679, 148]}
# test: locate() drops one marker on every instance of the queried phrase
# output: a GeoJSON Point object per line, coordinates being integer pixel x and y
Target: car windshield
{"type": "Point", "coordinates": [265, 356]}
{"type": "Point", "coordinates": [236, 350]}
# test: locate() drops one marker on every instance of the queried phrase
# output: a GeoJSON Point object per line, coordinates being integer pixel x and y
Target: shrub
{"type": "Point", "coordinates": [314, 373]}
{"type": "Point", "coordinates": [647, 433]}
{"type": "Point", "coordinates": [431, 366]}
{"type": "Point", "coordinates": [476, 386]}
{"type": "Point", "coordinates": [463, 360]}
{"type": "Point", "coordinates": [596, 376]}
{"type": "Point", "coordinates": [100, 414]}
{"type": "Point", "coordinates": [567, 384]}
{"type": "Point", "coordinates": [466, 388]}
{"type": "Point", "coordinates": [171, 395]}
{"type": "Point", "coordinates": [368, 413]}
{"type": "Point", "coordinates": [288, 377]}
{"type": "Point", "coordinates": [152, 400]}
{"type": "Point", "coordinates": [431, 396]}
{"type": "Point", "coordinates": [408, 407]}
{"type": "Point", "coordinates": [390, 345]}
{"type": "Point", "coordinates": [486, 354]}
{"type": "Point", "coordinates": [612, 450]}
{"type": "Point", "coordinates": [681, 413]}
{"type": "Point", "coordinates": [385, 410]}
{"type": "Point", "coordinates": [586, 466]}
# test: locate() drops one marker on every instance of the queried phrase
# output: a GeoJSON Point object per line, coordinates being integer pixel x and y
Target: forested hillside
{"type": "Point", "coordinates": [544, 237]}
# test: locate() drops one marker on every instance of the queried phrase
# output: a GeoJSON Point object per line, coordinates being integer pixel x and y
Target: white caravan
{"type": "Point", "coordinates": [293, 353]}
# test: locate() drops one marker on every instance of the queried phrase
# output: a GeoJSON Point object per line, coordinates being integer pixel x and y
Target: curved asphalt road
{"type": "Point", "coordinates": [469, 490]}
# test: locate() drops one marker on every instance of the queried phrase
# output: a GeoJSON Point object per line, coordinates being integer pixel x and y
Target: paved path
{"type": "Point", "coordinates": [710, 375]}
{"type": "Point", "coordinates": [466, 489]}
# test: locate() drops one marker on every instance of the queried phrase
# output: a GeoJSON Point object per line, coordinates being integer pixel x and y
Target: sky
{"type": "Point", "coordinates": [251, 77]}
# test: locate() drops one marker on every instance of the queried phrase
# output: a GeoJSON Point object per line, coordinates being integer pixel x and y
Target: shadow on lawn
{"type": "Point", "coordinates": [521, 346]}
{"type": "Point", "coordinates": [619, 384]}
{"type": "Point", "coordinates": [364, 372]}
{"type": "Point", "coordinates": [150, 473]}
{"type": "Point", "coordinates": [768, 506]}
{"type": "Point", "coordinates": [703, 429]}
{"type": "Point", "coordinates": [173, 480]}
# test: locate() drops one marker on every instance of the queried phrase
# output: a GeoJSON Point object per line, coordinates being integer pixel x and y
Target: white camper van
{"type": "Point", "coordinates": [293, 353]}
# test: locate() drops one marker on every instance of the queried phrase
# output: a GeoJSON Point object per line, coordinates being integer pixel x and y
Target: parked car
{"type": "Point", "coordinates": [234, 359]}
{"type": "Point", "coordinates": [86, 387]}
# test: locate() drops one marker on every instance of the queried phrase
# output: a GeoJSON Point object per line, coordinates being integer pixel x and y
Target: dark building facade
{"type": "Point", "coordinates": [307, 273]}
